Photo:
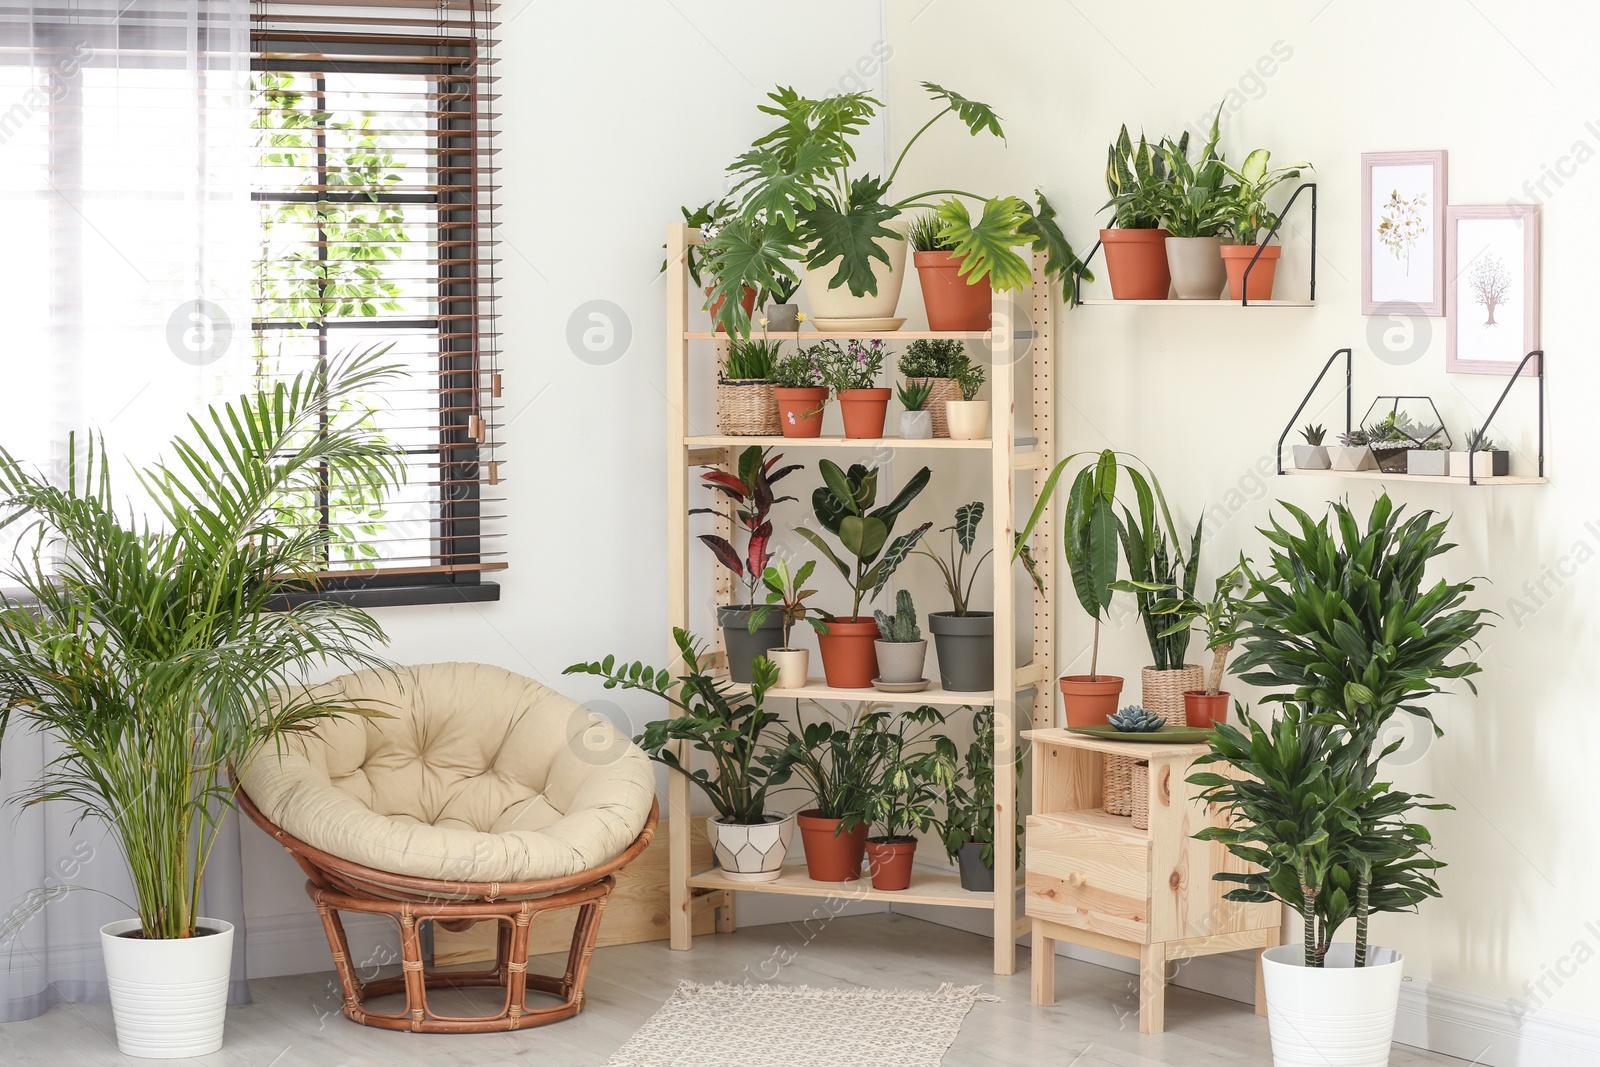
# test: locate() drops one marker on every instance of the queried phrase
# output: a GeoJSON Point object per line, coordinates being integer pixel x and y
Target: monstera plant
{"type": "Point", "coordinates": [794, 201]}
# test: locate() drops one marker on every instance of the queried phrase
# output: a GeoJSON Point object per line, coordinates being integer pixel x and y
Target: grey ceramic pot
{"type": "Point", "coordinates": [783, 318]}
{"type": "Point", "coordinates": [1311, 457]}
{"type": "Point", "coordinates": [1428, 461]}
{"type": "Point", "coordinates": [965, 644]}
{"type": "Point", "coordinates": [1196, 266]}
{"type": "Point", "coordinates": [975, 877]}
{"type": "Point", "coordinates": [743, 646]}
{"type": "Point", "coordinates": [901, 661]}
{"type": "Point", "coordinates": [916, 425]}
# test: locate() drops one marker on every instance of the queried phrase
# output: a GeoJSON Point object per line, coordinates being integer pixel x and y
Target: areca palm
{"type": "Point", "coordinates": [149, 647]}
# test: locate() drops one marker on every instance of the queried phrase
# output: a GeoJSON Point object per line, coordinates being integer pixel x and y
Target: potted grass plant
{"type": "Point", "coordinates": [844, 507]}
{"type": "Point", "coordinates": [968, 417]}
{"type": "Point", "coordinates": [786, 600]}
{"type": "Point", "coordinates": [952, 301]}
{"type": "Point", "coordinates": [916, 422]}
{"type": "Point", "coordinates": [1251, 222]}
{"type": "Point", "coordinates": [1197, 208]}
{"type": "Point", "coordinates": [746, 406]}
{"type": "Point", "coordinates": [902, 796]}
{"type": "Point", "coordinates": [967, 828]}
{"type": "Point", "coordinates": [852, 373]}
{"type": "Point", "coordinates": [749, 493]}
{"type": "Point", "coordinates": [799, 389]}
{"type": "Point", "coordinates": [1136, 243]}
{"type": "Point", "coordinates": [901, 648]}
{"type": "Point", "coordinates": [1482, 458]}
{"type": "Point", "coordinates": [1313, 455]}
{"type": "Point", "coordinates": [963, 638]}
{"type": "Point", "coordinates": [729, 725]}
{"type": "Point", "coordinates": [1348, 627]}
{"type": "Point", "coordinates": [939, 364]}
{"type": "Point", "coordinates": [155, 654]}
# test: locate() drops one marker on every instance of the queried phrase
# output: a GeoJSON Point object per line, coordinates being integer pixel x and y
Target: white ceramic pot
{"type": "Point", "coordinates": [168, 997]}
{"type": "Point", "coordinates": [1196, 267]}
{"type": "Point", "coordinates": [901, 661]}
{"type": "Point", "coordinates": [751, 853]}
{"type": "Point", "coordinates": [793, 665]}
{"type": "Point", "coordinates": [916, 425]}
{"type": "Point", "coordinates": [1482, 464]}
{"type": "Point", "coordinates": [1311, 457]}
{"type": "Point", "coordinates": [1344, 458]}
{"type": "Point", "coordinates": [968, 419]}
{"type": "Point", "coordinates": [840, 303]}
{"type": "Point", "coordinates": [1333, 1016]}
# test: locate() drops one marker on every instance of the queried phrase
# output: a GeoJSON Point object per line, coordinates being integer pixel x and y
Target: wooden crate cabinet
{"type": "Point", "coordinates": [1095, 880]}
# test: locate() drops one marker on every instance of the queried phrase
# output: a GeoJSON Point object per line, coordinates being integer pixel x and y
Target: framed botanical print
{"type": "Point", "coordinates": [1492, 301]}
{"type": "Point", "coordinates": [1402, 232]}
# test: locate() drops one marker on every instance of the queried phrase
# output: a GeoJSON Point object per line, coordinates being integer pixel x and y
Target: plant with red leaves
{"type": "Point", "coordinates": [752, 496]}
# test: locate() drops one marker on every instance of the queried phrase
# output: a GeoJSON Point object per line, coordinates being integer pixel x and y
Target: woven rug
{"type": "Point", "coordinates": [796, 1026]}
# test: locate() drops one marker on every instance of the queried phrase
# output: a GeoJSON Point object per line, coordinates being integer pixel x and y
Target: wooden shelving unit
{"type": "Point", "coordinates": [1018, 690]}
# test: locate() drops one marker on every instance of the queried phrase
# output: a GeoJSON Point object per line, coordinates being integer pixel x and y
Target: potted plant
{"type": "Point", "coordinates": [746, 406]}
{"type": "Point", "coordinates": [1349, 626]}
{"type": "Point", "coordinates": [729, 725]}
{"type": "Point", "coordinates": [1251, 223]}
{"type": "Point", "coordinates": [154, 655]}
{"type": "Point", "coordinates": [900, 647]}
{"type": "Point", "coordinates": [1313, 455]}
{"type": "Point", "coordinates": [1136, 245]}
{"type": "Point", "coordinates": [1197, 209]}
{"type": "Point", "coordinates": [782, 315]}
{"type": "Point", "coordinates": [1432, 459]}
{"type": "Point", "coordinates": [1219, 618]}
{"type": "Point", "coordinates": [1396, 434]}
{"type": "Point", "coordinates": [705, 261]}
{"type": "Point", "coordinates": [851, 373]}
{"type": "Point", "coordinates": [963, 638]}
{"type": "Point", "coordinates": [798, 389]}
{"type": "Point", "coordinates": [797, 206]}
{"type": "Point", "coordinates": [916, 422]}
{"type": "Point", "coordinates": [835, 759]}
{"type": "Point", "coordinates": [1482, 458]}
{"type": "Point", "coordinates": [936, 363]}
{"type": "Point", "coordinates": [967, 829]}
{"type": "Point", "coordinates": [969, 416]}
{"type": "Point", "coordinates": [953, 302]}
{"type": "Point", "coordinates": [902, 797]}
{"type": "Point", "coordinates": [1157, 566]}
{"type": "Point", "coordinates": [751, 496]}
{"type": "Point", "coordinates": [843, 505]}
{"type": "Point", "coordinates": [1351, 453]}
{"type": "Point", "coordinates": [786, 598]}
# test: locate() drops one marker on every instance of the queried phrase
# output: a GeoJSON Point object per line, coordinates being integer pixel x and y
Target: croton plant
{"type": "Point", "coordinates": [752, 495]}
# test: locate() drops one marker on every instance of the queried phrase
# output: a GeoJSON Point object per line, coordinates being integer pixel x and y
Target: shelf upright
{"type": "Point", "coordinates": [690, 891]}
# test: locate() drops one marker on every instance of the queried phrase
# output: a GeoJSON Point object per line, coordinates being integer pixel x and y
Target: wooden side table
{"type": "Point", "coordinates": [1096, 880]}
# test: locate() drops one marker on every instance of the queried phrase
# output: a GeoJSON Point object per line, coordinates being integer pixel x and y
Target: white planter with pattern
{"type": "Point", "coordinates": [168, 997]}
{"type": "Point", "coordinates": [751, 853]}
{"type": "Point", "coordinates": [1332, 1016]}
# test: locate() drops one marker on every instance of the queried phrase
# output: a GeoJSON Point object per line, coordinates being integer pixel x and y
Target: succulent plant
{"type": "Point", "coordinates": [901, 627]}
{"type": "Point", "coordinates": [1354, 439]}
{"type": "Point", "coordinates": [1134, 719]}
{"type": "Point", "coordinates": [1478, 441]}
{"type": "Point", "coordinates": [1314, 433]}
{"type": "Point", "coordinates": [913, 395]}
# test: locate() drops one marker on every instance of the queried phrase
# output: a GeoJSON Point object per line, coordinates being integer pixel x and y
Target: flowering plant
{"type": "Point", "coordinates": [856, 366]}
{"type": "Point", "coordinates": [801, 369]}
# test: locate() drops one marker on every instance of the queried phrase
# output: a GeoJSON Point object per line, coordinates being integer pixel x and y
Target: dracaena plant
{"type": "Point", "coordinates": [1156, 566]}
{"type": "Point", "coordinates": [1249, 215]}
{"type": "Point", "coordinates": [1197, 200]}
{"type": "Point", "coordinates": [795, 201]}
{"type": "Point", "coordinates": [1219, 617]}
{"type": "Point", "coordinates": [954, 569]}
{"type": "Point", "coordinates": [844, 507]}
{"type": "Point", "coordinates": [752, 497]}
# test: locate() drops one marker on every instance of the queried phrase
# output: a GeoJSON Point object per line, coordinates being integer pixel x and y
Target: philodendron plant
{"type": "Point", "coordinates": [844, 506]}
{"type": "Point", "coordinates": [794, 201]}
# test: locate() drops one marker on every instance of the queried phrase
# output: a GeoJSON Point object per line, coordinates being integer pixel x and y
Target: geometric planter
{"type": "Point", "coordinates": [751, 853]}
{"type": "Point", "coordinates": [1350, 458]}
{"type": "Point", "coordinates": [1310, 457]}
{"type": "Point", "coordinates": [1336, 1015]}
{"type": "Point", "coordinates": [168, 996]}
{"type": "Point", "coordinates": [1495, 464]}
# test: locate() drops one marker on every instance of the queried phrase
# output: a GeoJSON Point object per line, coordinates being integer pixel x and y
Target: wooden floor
{"type": "Point", "coordinates": [296, 1020]}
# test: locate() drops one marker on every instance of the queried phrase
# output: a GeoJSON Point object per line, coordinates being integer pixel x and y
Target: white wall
{"type": "Point", "coordinates": [1202, 393]}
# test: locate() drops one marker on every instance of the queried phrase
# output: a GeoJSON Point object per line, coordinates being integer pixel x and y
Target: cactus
{"type": "Point", "coordinates": [1134, 719]}
{"type": "Point", "coordinates": [901, 627]}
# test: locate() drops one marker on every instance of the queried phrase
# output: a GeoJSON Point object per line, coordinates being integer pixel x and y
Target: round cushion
{"type": "Point", "coordinates": [476, 775]}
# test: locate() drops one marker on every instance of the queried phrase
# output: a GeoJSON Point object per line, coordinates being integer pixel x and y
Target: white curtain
{"type": "Point", "coordinates": [124, 182]}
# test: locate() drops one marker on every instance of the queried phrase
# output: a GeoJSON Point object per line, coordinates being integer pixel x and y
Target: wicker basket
{"type": "Point", "coordinates": [1141, 796]}
{"type": "Point", "coordinates": [939, 390]}
{"type": "Point", "coordinates": [1162, 691]}
{"type": "Point", "coordinates": [1116, 785]}
{"type": "Point", "coordinates": [747, 408]}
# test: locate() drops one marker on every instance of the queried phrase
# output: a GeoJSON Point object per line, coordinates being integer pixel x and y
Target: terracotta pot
{"type": "Point", "coordinates": [864, 411]}
{"type": "Point", "coordinates": [968, 419]}
{"type": "Point", "coordinates": [849, 660]}
{"type": "Point", "coordinates": [840, 302]}
{"type": "Point", "coordinates": [889, 859]}
{"type": "Point", "coordinates": [800, 410]}
{"type": "Point", "coordinates": [1089, 700]}
{"type": "Point", "coordinates": [748, 302]}
{"type": "Point", "coordinates": [1196, 267]}
{"type": "Point", "coordinates": [951, 303]}
{"type": "Point", "coordinates": [1237, 257]}
{"type": "Point", "coordinates": [1203, 711]}
{"type": "Point", "coordinates": [1137, 263]}
{"type": "Point", "coordinates": [793, 665]}
{"type": "Point", "coordinates": [831, 856]}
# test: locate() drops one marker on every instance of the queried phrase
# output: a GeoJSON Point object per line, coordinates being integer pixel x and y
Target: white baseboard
{"type": "Point", "coordinates": [295, 944]}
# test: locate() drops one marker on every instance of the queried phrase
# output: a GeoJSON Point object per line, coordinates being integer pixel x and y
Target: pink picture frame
{"type": "Point", "coordinates": [1406, 233]}
{"type": "Point", "coordinates": [1492, 287]}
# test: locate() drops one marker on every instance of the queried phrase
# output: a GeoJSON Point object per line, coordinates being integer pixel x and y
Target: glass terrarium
{"type": "Point", "coordinates": [1397, 424]}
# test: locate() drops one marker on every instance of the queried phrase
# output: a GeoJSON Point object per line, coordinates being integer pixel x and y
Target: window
{"type": "Point", "coordinates": [373, 184]}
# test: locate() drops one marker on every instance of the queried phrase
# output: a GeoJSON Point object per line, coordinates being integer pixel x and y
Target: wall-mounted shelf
{"type": "Point", "coordinates": [872, 335]}
{"type": "Point", "coordinates": [1442, 479]}
{"type": "Point", "coordinates": [1101, 301]}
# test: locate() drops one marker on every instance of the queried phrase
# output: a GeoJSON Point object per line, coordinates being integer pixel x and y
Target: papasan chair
{"type": "Point", "coordinates": [485, 797]}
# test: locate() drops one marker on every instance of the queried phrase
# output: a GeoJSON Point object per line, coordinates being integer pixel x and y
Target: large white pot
{"type": "Point", "coordinates": [840, 303]}
{"type": "Point", "coordinates": [168, 997]}
{"type": "Point", "coordinates": [751, 853]}
{"type": "Point", "coordinates": [1333, 1016]}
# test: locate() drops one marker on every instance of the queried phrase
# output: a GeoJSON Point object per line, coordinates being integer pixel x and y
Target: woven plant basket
{"type": "Point", "coordinates": [939, 390]}
{"type": "Point", "coordinates": [1141, 796]}
{"type": "Point", "coordinates": [1162, 691]}
{"type": "Point", "coordinates": [747, 408]}
{"type": "Point", "coordinates": [1116, 785]}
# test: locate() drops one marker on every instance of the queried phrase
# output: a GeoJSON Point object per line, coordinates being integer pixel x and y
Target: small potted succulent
{"type": "Point", "coordinates": [902, 798]}
{"type": "Point", "coordinates": [1482, 459]}
{"type": "Point", "coordinates": [782, 316]}
{"type": "Point", "coordinates": [1431, 460]}
{"type": "Point", "coordinates": [968, 826]}
{"type": "Point", "coordinates": [799, 390]}
{"type": "Point", "coordinates": [916, 422]}
{"type": "Point", "coordinates": [852, 373]}
{"type": "Point", "coordinates": [1220, 619]}
{"type": "Point", "coordinates": [953, 302]}
{"type": "Point", "coordinates": [900, 646]}
{"type": "Point", "coordinates": [843, 505]}
{"type": "Point", "coordinates": [1197, 207]}
{"type": "Point", "coordinates": [1136, 244]}
{"type": "Point", "coordinates": [786, 598]}
{"type": "Point", "coordinates": [730, 728]}
{"type": "Point", "coordinates": [1251, 223]}
{"type": "Point", "coordinates": [969, 416]}
{"type": "Point", "coordinates": [1313, 455]}
{"type": "Point", "coordinates": [750, 494]}
{"type": "Point", "coordinates": [746, 406]}
{"type": "Point", "coordinates": [963, 638]}
{"type": "Point", "coordinates": [1135, 719]}
{"type": "Point", "coordinates": [1351, 453]}
{"type": "Point", "coordinates": [936, 363]}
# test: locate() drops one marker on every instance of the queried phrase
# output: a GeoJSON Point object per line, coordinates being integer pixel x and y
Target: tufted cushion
{"type": "Point", "coordinates": [481, 775]}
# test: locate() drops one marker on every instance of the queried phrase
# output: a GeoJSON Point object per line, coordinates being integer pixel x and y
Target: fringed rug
{"type": "Point", "coordinates": [797, 1026]}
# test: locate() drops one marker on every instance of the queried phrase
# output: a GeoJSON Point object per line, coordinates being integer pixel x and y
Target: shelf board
{"type": "Point", "coordinates": [1100, 821]}
{"type": "Point", "coordinates": [926, 888]}
{"type": "Point", "coordinates": [1138, 750]}
{"type": "Point", "coordinates": [1103, 301]}
{"type": "Point", "coordinates": [981, 444]}
{"type": "Point", "coordinates": [819, 689]}
{"type": "Point", "coordinates": [868, 335]}
{"type": "Point", "coordinates": [1442, 479]}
